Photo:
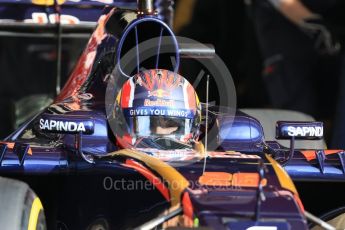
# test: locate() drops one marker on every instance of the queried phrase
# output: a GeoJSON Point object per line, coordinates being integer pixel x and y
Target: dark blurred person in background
{"type": "Point", "coordinates": [225, 25]}
{"type": "Point", "coordinates": [338, 140]}
{"type": "Point", "coordinates": [301, 42]}
{"type": "Point", "coordinates": [28, 82]}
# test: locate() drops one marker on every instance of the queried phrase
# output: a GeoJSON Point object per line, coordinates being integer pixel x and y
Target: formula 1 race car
{"type": "Point", "coordinates": [127, 144]}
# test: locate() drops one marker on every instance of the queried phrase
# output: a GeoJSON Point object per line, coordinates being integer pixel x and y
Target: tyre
{"type": "Point", "coordinates": [20, 208]}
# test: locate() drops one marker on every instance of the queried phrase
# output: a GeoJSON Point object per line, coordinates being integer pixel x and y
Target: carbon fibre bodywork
{"type": "Point", "coordinates": [77, 174]}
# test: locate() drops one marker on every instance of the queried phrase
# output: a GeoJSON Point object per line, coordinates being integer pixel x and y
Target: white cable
{"type": "Point", "coordinates": [206, 123]}
{"type": "Point", "coordinates": [318, 221]}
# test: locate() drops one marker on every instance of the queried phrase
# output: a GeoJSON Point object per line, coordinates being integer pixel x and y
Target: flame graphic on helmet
{"type": "Point", "coordinates": [155, 82]}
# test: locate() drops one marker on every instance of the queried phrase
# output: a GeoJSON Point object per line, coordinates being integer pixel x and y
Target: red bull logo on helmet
{"type": "Point", "coordinates": [159, 102]}
{"type": "Point", "coordinates": [158, 93]}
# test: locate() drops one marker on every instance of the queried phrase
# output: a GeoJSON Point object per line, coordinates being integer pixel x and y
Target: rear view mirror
{"type": "Point", "coordinates": [78, 125]}
{"type": "Point", "coordinates": [302, 130]}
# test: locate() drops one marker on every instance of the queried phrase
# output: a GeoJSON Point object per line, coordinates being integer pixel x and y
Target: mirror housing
{"type": "Point", "coordinates": [299, 130]}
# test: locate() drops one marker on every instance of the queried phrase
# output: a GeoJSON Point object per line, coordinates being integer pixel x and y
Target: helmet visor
{"type": "Point", "coordinates": [145, 126]}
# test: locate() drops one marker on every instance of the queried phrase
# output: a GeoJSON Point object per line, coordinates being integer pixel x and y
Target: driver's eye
{"type": "Point", "coordinates": [166, 123]}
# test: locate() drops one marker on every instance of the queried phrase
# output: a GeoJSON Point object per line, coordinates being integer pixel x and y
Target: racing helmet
{"type": "Point", "coordinates": [157, 103]}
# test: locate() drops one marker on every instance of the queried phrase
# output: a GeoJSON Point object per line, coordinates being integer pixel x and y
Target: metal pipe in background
{"type": "Point", "coordinates": [145, 7]}
{"type": "Point", "coordinates": [191, 50]}
{"type": "Point", "coordinates": [58, 47]}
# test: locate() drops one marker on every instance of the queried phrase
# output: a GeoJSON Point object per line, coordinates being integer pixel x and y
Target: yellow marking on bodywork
{"type": "Point", "coordinates": [47, 2]}
{"type": "Point", "coordinates": [34, 213]}
{"type": "Point", "coordinates": [118, 97]}
{"type": "Point", "coordinates": [284, 179]}
{"type": "Point", "coordinates": [200, 148]}
{"type": "Point", "coordinates": [176, 182]}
